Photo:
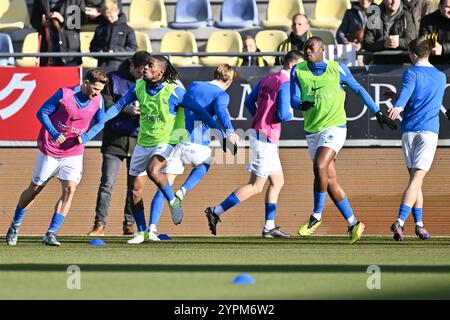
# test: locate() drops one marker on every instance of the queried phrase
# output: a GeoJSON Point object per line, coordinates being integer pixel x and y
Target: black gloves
{"type": "Point", "coordinates": [306, 105]}
{"type": "Point", "coordinates": [382, 119]}
{"type": "Point", "coordinates": [447, 114]}
{"type": "Point", "coordinates": [227, 144]}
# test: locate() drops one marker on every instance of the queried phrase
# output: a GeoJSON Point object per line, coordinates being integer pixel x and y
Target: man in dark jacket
{"type": "Point", "coordinates": [393, 30]}
{"type": "Point", "coordinates": [353, 24]}
{"type": "Point", "coordinates": [54, 21]}
{"type": "Point", "coordinates": [437, 26]}
{"type": "Point", "coordinates": [113, 35]}
{"type": "Point", "coordinates": [418, 9]}
{"type": "Point", "coordinates": [119, 140]}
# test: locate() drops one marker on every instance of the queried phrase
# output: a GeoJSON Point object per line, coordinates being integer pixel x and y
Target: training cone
{"type": "Point", "coordinates": [164, 237]}
{"type": "Point", "coordinates": [97, 242]}
{"type": "Point", "coordinates": [243, 279]}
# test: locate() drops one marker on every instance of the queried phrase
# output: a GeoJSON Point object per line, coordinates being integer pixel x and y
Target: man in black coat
{"type": "Point", "coordinates": [119, 141]}
{"type": "Point", "coordinates": [113, 35]}
{"type": "Point", "coordinates": [56, 21]}
{"type": "Point", "coordinates": [437, 26]}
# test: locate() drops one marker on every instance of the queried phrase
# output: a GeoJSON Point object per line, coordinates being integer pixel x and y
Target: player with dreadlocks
{"type": "Point", "coordinates": [162, 125]}
{"type": "Point", "coordinates": [161, 121]}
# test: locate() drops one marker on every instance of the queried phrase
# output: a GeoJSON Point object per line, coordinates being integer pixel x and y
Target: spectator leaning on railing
{"type": "Point", "coordinates": [393, 29]}
{"type": "Point", "coordinates": [296, 40]}
{"type": "Point", "coordinates": [353, 24]}
{"type": "Point", "coordinates": [113, 35]}
{"type": "Point", "coordinates": [436, 26]}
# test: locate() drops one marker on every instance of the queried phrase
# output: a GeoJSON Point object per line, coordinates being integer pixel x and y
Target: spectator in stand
{"type": "Point", "coordinates": [113, 35]}
{"type": "Point", "coordinates": [94, 10]}
{"type": "Point", "coordinates": [297, 38]}
{"type": "Point", "coordinates": [49, 18]}
{"type": "Point", "coordinates": [353, 24]}
{"type": "Point", "coordinates": [395, 31]}
{"type": "Point", "coordinates": [247, 61]}
{"type": "Point", "coordinates": [418, 9]}
{"type": "Point", "coordinates": [436, 26]}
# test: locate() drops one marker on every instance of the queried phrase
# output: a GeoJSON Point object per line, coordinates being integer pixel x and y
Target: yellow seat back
{"type": "Point", "coordinates": [280, 13]}
{"type": "Point", "coordinates": [180, 41]}
{"type": "Point", "coordinates": [14, 14]}
{"type": "Point", "coordinates": [328, 14]}
{"type": "Point", "coordinates": [143, 41]}
{"type": "Point", "coordinates": [147, 14]}
{"type": "Point", "coordinates": [268, 41]}
{"type": "Point", "coordinates": [85, 41]}
{"type": "Point", "coordinates": [222, 41]}
{"type": "Point", "coordinates": [30, 45]}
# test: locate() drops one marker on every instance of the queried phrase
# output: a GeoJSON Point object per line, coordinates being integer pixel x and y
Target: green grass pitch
{"type": "Point", "coordinates": [203, 267]}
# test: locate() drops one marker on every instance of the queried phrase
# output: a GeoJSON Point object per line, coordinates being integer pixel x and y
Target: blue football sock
{"type": "Point", "coordinates": [167, 192]}
{"type": "Point", "coordinates": [271, 210]}
{"type": "Point", "coordinates": [417, 215]}
{"type": "Point", "coordinates": [195, 176]}
{"type": "Point", "coordinates": [319, 201]}
{"type": "Point", "coordinates": [18, 215]}
{"type": "Point", "coordinates": [230, 202]}
{"type": "Point", "coordinates": [156, 207]}
{"type": "Point", "coordinates": [56, 223]}
{"type": "Point", "coordinates": [404, 212]}
{"type": "Point", "coordinates": [345, 208]}
{"type": "Point", "coordinates": [139, 218]}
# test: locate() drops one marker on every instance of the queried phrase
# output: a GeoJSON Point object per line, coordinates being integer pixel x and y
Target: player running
{"type": "Point", "coordinates": [65, 119]}
{"type": "Point", "coordinates": [316, 90]}
{"type": "Point", "coordinates": [269, 105]}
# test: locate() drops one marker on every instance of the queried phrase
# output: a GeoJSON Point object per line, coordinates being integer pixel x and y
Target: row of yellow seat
{"type": "Point", "coordinates": [175, 41]}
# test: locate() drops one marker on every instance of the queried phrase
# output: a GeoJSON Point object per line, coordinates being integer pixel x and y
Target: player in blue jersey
{"type": "Point", "coordinates": [212, 97]}
{"type": "Point", "coordinates": [269, 105]}
{"type": "Point", "coordinates": [316, 89]}
{"type": "Point", "coordinates": [420, 100]}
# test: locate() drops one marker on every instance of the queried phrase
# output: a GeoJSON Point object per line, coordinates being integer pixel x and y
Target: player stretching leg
{"type": "Point", "coordinates": [65, 118]}
{"type": "Point", "coordinates": [420, 102]}
{"type": "Point", "coordinates": [212, 98]}
{"type": "Point", "coordinates": [316, 90]}
{"type": "Point", "coordinates": [269, 105]}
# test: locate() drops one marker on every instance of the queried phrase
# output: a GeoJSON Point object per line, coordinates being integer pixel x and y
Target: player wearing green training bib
{"type": "Point", "coordinates": [316, 90]}
{"type": "Point", "coordinates": [161, 126]}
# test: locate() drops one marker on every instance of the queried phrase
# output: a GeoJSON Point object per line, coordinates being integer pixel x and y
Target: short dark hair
{"type": "Point", "coordinates": [96, 75]}
{"type": "Point", "coordinates": [292, 56]}
{"type": "Point", "coordinates": [421, 46]}
{"type": "Point", "coordinates": [225, 73]}
{"type": "Point", "coordinates": [140, 58]}
{"type": "Point", "coordinates": [315, 39]}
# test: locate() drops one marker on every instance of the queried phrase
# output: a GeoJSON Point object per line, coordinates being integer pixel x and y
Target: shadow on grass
{"type": "Point", "coordinates": [295, 268]}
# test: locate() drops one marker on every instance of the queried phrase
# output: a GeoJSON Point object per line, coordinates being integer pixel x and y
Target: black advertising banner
{"type": "Point", "coordinates": [363, 129]}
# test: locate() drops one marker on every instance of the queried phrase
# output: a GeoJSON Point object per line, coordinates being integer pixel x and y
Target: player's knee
{"type": "Point", "coordinates": [153, 174]}
{"type": "Point", "coordinates": [320, 167]}
{"type": "Point", "coordinates": [136, 193]}
{"type": "Point", "coordinates": [70, 190]}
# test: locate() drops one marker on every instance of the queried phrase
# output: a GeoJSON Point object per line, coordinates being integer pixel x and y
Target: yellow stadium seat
{"type": "Point", "coordinates": [143, 41]}
{"type": "Point", "coordinates": [435, 4]}
{"type": "Point", "coordinates": [14, 14]}
{"type": "Point", "coordinates": [328, 14]}
{"type": "Point", "coordinates": [280, 13]}
{"type": "Point", "coordinates": [85, 41]}
{"type": "Point", "coordinates": [222, 41]}
{"type": "Point", "coordinates": [147, 14]}
{"type": "Point", "coordinates": [30, 45]}
{"type": "Point", "coordinates": [268, 41]}
{"type": "Point", "coordinates": [380, 1]}
{"type": "Point", "coordinates": [180, 41]}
